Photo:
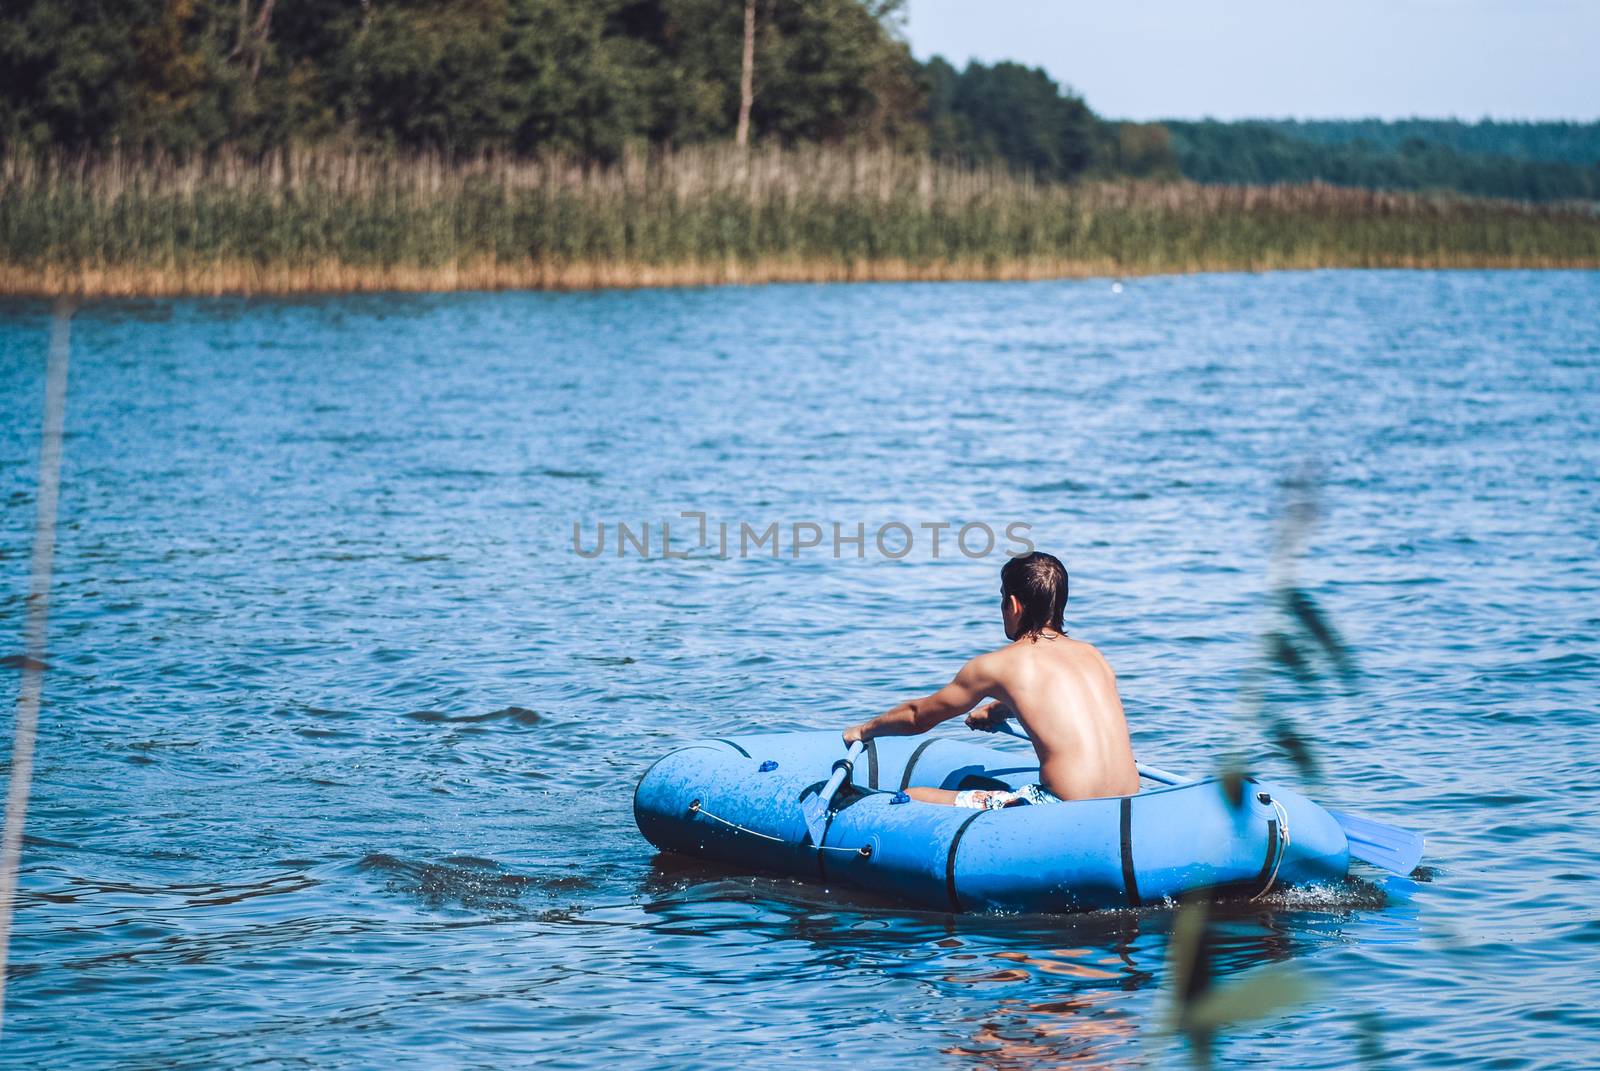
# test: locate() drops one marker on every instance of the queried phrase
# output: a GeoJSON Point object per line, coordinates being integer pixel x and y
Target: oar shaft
{"type": "Point", "coordinates": [1162, 777]}
{"type": "Point", "coordinates": [842, 772]}
{"type": "Point", "coordinates": [815, 809]}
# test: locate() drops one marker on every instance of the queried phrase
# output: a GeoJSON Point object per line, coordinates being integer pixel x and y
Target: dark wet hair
{"type": "Point", "coordinates": [1039, 581]}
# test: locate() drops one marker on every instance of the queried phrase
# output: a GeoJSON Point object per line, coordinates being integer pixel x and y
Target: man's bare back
{"type": "Point", "coordinates": [1061, 689]}
{"type": "Point", "coordinates": [1065, 695]}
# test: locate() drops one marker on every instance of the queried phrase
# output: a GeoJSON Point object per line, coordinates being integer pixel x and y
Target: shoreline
{"type": "Point", "coordinates": [334, 277]}
{"type": "Point", "coordinates": [324, 221]}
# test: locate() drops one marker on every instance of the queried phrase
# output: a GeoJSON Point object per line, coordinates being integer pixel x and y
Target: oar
{"type": "Point", "coordinates": [1387, 847]}
{"type": "Point", "coordinates": [815, 809]}
{"type": "Point", "coordinates": [1390, 847]}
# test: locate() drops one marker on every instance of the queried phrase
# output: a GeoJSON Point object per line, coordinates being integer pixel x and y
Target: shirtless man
{"type": "Point", "coordinates": [1061, 690]}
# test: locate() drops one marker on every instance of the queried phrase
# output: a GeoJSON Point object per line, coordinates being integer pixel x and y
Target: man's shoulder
{"type": "Point", "coordinates": [993, 664]}
{"type": "Point", "coordinates": [1088, 654]}
{"type": "Point", "coordinates": [1062, 649]}
{"type": "Point", "coordinates": [1007, 661]}
{"type": "Point", "coordinates": [989, 660]}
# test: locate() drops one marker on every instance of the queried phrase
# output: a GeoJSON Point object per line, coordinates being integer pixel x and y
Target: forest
{"type": "Point", "coordinates": [593, 78]}
{"type": "Point", "coordinates": [1521, 161]}
{"type": "Point", "coordinates": [207, 146]}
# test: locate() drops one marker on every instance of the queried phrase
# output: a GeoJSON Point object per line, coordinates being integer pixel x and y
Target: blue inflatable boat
{"type": "Point", "coordinates": [739, 800]}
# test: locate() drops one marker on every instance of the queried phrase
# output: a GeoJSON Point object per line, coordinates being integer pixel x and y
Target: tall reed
{"type": "Point", "coordinates": [322, 218]}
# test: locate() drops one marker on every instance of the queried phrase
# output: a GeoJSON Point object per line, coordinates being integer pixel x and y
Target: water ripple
{"type": "Point", "coordinates": [340, 736]}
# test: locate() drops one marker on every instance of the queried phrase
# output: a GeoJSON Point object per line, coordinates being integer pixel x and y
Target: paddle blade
{"type": "Point", "coordinates": [815, 809]}
{"type": "Point", "coordinates": [1390, 847]}
{"type": "Point", "coordinates": [815, 812]}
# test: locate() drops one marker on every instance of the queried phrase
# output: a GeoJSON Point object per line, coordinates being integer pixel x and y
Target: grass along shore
{"type": "Point", "coordinates": [319, 220]}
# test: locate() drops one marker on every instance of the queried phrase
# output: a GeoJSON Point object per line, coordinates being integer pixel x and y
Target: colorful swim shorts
{"type": "Point", "coordinates": [993, 799]}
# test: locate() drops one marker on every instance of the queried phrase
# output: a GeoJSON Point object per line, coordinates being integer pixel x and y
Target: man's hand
{"type": "Point", "coordinates": [990, 718]}
{"type": "Point", "coordinates": [856, 734]}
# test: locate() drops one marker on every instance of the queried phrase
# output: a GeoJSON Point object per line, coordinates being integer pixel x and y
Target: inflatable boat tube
{"type": "Point", "coordinates": [737, 800]}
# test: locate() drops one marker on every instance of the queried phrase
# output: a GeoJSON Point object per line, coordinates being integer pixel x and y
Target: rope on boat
{"type": "Point", "coordinates": [695, 808]}
{"type": "Point", "coordinates": [1283, 847]}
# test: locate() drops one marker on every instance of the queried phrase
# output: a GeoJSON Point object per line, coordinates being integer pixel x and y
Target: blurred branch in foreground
{"type": "Point", "coordinates": [35, 626]}
{"type": "Point", "coordinates": [1300, 642]}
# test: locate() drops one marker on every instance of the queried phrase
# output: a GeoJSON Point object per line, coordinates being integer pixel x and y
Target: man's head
{"type": "Point", "coordinates": [1033, 594]}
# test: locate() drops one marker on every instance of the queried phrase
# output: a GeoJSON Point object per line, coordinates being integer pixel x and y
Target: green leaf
{"type": "Point", "coordinates": [1263, 992]}
{"type": "Point", "coordinates": [1303, 608]}
{"type": "Point", "coordinates": [1282, 652]}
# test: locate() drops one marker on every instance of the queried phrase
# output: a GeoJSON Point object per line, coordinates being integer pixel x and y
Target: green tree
{"type": "Point", "coordinates": [1009, 113]}
{"type": "Point", "coordinates": [585, 76]}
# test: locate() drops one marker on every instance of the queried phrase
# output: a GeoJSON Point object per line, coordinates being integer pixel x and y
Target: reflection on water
{"type": "Point", "coordinates": [1025, 991]}
{"type": "Point", "coordinates": [336, 761]}
{"type": "Point", "coordinates": [1084, 1031]}
{"type": "Point", "coordinates": [1075, 1011]}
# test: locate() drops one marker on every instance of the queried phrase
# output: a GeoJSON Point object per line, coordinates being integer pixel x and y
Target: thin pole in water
{"type": "Point", "coordinates": [33, 634]}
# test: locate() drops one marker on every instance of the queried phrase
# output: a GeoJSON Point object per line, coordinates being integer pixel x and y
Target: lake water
{"type": "Point", "coordinates": [340, 735]}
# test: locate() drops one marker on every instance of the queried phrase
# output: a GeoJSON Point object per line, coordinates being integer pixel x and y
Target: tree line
{"type": "Point", "coordinates": [584, 77]}
{"type": "Point", "coordinates": [592, 78]}
{"type": "Point", "coordinates": [1522, 161]}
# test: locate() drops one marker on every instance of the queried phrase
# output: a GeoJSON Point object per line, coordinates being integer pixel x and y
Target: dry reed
{"type": "Point", "coordinates": [325, 219]}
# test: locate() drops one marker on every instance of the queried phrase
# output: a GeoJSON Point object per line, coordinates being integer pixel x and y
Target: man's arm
{"type": "Point", "coordinates": [974, 684]}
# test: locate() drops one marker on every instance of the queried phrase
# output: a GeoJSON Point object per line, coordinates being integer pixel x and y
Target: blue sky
{"type": "Point", "coordinates": [1148, 59]}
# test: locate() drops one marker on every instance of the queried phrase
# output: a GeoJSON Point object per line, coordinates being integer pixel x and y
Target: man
{"type": "Point", "coordinates": [1061, 690]}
